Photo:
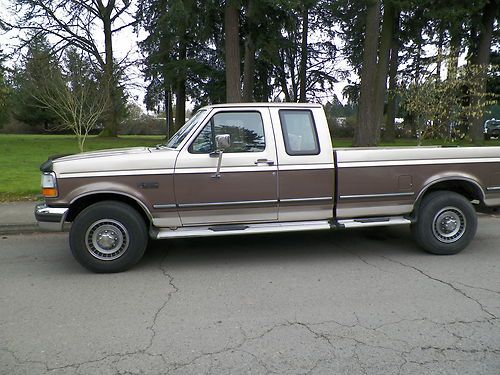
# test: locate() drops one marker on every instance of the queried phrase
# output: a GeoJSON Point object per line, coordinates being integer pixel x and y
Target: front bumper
{"type": "Point", "coordinates": [50, 218]}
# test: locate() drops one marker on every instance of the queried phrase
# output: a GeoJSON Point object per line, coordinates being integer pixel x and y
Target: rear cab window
{"type": "Point", "coordinates": [299, 132]}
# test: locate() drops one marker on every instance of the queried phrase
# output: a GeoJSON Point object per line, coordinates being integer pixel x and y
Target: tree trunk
{"type": "Point", "coordinates": [282, 77]}
{"type": "Point", "coordinates": [110, 116]}
{"type": "Point", "coordinates": [249, 64]}
{"type": "Point", "coordinates": [169, 124]}
{"type": "Point", "coordinates": [232, 45]}
{"type": "Point", "coordinates": [180, 104]}
{"type": "Point", "coordinates": [482, 58]}
{"type": "Point", "coordinates": [389, 135]}
{"type": "Point", "coordinates": [303, 53]}
{"type": "Point", "coordinates": [180, 89]}
{"type": "Point", "coordinates": [439, 53]}
{"type": "Point", "coordinates": [365, 132]}
{"type": "Point", "coordinates": [455, 47]}
{"type": "Point", "coordinates": [291, 54]}
{"type": "Point", "coordinates": [452, 67]}
{"type": "Point", "coordinates": [388, 30]}
{"type": "Point", "coordinates": [248, 71]}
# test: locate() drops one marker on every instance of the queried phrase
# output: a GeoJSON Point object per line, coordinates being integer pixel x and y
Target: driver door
{"type": "Point", "coordinates": [246, 189]}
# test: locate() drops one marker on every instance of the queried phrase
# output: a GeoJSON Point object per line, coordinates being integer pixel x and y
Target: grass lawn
{"type": "Point", "coordinates": [21, 156]}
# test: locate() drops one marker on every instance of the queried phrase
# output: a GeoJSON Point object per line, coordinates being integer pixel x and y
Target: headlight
{"type": "Point", "coordinates": [49, 185]}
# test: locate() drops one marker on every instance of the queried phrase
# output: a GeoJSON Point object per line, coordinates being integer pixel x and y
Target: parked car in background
{"type": "Point", "coordinates": [491, 128]}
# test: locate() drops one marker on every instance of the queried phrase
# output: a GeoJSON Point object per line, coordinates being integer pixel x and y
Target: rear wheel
{"type": "Point", "coordinates": [446, 223]}
{"type": "Point", "coordinates": [108, 236]}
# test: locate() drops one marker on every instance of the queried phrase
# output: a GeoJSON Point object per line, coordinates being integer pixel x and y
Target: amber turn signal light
{"type": "Point", "coordinates": [49, 192]}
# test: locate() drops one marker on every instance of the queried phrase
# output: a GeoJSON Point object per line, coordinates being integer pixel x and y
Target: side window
{"type": "Point", "coordinates": [299, 132]}
{"type": "Point", "coordinates": [245, 128]}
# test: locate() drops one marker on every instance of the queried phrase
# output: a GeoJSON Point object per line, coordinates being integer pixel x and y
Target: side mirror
{"type": "Point", "coordinates": [222, 141]}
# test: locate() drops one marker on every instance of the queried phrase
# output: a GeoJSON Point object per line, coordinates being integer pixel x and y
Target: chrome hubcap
{"type": "Point", "coordinates": [107, 239]}
{"type": "Point", "coordinates": [449, 224]}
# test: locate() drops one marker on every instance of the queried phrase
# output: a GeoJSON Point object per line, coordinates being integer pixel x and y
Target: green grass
{"type": "Point", "coordinates": [21, 156]}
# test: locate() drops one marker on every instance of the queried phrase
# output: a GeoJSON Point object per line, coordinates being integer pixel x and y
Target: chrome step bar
{"type": "Point", "coordinates": [212, 230]}
{"type": "Point", "coordinates": [372, 222]}
{"type": "Point", "coordinates": [260, 228]}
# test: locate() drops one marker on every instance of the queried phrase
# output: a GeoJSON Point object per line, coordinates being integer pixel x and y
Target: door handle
{"type": "Point", "coordinates": [264, 161]}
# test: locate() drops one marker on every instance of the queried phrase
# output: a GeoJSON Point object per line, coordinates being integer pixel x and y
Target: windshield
{"type": "Point", "coordinates": [178, 137]}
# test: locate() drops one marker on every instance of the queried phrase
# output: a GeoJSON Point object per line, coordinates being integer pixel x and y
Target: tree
{"type": "Point", "coordinates": [389, 30]}
{"type": "Point", "coordinates": [232, 51]}
{"type": "Point", "coordinates": [433, 100]}
{"type": "Point", "coordinates": [5, 92]}
{"type": "Point", "coordinates": [36, 65]}
{"type": "Point", "coordinates": [482, 59]}
{"type": "Point", "coordinates": [183, 53]}
{"type": "Point", "coordinates": [366, 130]}
{"type": "Point", "coordinates": [76, 97]}
{"type": "Point", "coordinates": [392, 97]}
{"type": "Point", "coordinates": [249, 62]}
{"type": "Point", "coordinates": [74, 23]}
{"type": "Point", "coordinates": [300, 68]}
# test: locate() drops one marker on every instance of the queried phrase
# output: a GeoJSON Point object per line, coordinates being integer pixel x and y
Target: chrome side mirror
{"type": "Point", "coordinates": [222, 142]}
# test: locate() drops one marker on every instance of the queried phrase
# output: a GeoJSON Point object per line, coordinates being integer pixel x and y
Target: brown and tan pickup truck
{"type": "Point", "coordinates": [261, 168]}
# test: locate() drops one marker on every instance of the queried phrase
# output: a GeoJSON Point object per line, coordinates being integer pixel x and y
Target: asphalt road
{"type": "Point", "coordinates": [351, 302]}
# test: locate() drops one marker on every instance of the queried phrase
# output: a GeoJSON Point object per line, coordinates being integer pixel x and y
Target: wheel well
{"type": "Point", "coordinates": [468, 189]}
{"type": "Point", "coordinates": [81, 203]}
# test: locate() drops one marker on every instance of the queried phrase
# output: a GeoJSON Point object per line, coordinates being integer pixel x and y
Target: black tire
{"type": "Point", "coordinates": [487, 137]}
{"type": "Point", "coordinates": [446, 223]}
{"type": "Point", "coordinates": [108, 236]}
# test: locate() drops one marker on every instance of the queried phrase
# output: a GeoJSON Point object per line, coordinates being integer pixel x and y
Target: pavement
{"type": "Point", "coordinates": [18, 217]}
{"type": "Point", "coordinates": [354, 302]}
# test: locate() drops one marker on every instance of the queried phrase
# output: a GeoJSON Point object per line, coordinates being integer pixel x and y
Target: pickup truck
{"type": "Point", "coordinates": [239, 169]}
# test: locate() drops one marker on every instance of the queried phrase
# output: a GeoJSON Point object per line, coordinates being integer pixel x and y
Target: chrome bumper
{"type": "Point", "coordinates": [50, 218]}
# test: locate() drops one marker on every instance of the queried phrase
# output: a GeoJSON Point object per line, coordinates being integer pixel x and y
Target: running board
{"type": "Point", "coordinates": [229, 230]}
{"type": "Point", "coordinates": [372, 222]}
{"type": "Point", "coordinates": [296, 226]}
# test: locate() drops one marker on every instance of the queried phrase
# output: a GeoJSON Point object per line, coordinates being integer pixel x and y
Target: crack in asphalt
{"type": "Point", "coordinates": [118, 356]}
{"type": "Point", "coordinates": [458, 290]}
{"type": "Point", "coordinates": [306, 326]}
{"type": "Point", "coordinates": [327, 338]}
{"type": "Point", "coordinates": [368, 263]}
{"type": "Point", "coordinates": [478, 287]}
{"type": "Point", "coordinates": [259, 361]}
{"type": "Point", "coordinates": [175, 289]}
{"type": "Point", "coordinates": [26, 361]}
{"type": "Point", "coordinates": [330, 338]}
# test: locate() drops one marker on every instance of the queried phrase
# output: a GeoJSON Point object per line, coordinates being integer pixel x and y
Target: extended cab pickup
{"type": "Point", "coordinates": [261, 168]}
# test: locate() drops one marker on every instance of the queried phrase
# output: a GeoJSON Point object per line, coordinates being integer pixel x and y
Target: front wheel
{"type": "Point", "coordinates": [108, 236]}
{"type": "Point", "coordinates": [446, 223]}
